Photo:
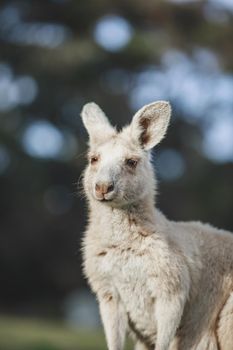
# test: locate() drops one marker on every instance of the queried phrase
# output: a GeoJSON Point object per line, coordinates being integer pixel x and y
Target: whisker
{"type": "Point", "coordinates": [83, 155]}
{"type": "Point", "coordinates": [79, 185]}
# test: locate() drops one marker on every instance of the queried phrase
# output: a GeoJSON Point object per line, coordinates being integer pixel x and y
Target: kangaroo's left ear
{"type": "Point", "coordinates": [150, 123]}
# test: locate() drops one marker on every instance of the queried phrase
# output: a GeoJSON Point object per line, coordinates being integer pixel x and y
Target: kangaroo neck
{"type": "Point", "coordinates": [117, 224]}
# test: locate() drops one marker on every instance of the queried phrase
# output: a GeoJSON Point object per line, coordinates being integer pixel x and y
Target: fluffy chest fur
{"type": "Point", "coordinates": [130, 267]}
{"type": "Point", "coordinates": [125, 269]}
{"type": "Point", "coordinates": [131, 277]}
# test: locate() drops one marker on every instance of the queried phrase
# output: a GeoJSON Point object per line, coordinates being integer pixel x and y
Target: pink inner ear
{"type": "Point", "coordinates": [145, 135]}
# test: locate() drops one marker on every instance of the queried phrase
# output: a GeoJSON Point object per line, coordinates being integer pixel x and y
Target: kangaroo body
{"type": "Point", "coordinates": [169, 284]}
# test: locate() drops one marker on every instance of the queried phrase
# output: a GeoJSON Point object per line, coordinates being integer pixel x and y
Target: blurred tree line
{"type": "Point", "coordinates": [56, 55]}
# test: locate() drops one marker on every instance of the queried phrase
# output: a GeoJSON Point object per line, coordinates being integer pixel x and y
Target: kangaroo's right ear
{"type": "Point", "coordinates": [96, 123]}
{"type": "Point", "coordinates": [150, 123]}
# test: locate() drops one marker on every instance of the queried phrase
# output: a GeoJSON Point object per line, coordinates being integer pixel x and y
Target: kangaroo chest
{"type": "Point", "coordinates": [127, 269]}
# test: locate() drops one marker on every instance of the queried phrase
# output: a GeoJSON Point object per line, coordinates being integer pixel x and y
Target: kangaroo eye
{"type": "Point", "coordinates": [132, 163]}
{"type": "Point", "coordinates": [94, 160]}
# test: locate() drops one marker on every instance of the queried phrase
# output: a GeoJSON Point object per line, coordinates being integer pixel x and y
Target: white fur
{"type": "Point", "coordinates": [158, 116]}
{"type": "Point", "coordinates": [95, 122]}
{"type": "Point", "coordinates": [168, 283]}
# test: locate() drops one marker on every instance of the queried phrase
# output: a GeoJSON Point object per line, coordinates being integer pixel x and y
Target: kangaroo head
{"type": "Point", "coordinates": [119, 172]}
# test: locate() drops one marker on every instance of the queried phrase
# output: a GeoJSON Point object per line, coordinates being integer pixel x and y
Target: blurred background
{"type": "Point", "coordinates": [56, 55]}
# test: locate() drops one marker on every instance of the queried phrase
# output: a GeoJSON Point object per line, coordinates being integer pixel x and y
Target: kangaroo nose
{"type": "Point", "coordinates": [104, 188]}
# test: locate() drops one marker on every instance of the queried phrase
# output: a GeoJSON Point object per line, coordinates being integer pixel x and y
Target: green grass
{"type": "Point", "coordinates": [31, 334]}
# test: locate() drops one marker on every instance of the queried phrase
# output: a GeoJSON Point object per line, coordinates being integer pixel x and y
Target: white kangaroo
{"type": "Point", "coordinates": [169, 284]}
